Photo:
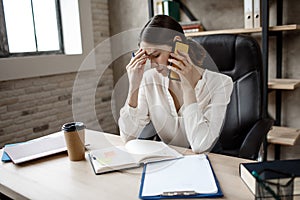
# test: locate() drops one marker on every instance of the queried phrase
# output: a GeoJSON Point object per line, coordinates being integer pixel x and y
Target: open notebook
{"type": "Point", "coordinates": [133, 154]}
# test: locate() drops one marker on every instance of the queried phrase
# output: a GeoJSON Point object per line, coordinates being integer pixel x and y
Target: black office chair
{"type": "Point", "coordinates": [244, 129]}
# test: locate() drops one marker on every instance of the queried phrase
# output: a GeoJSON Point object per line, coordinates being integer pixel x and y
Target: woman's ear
{"type": "Point", "coordinates": [177, 38]}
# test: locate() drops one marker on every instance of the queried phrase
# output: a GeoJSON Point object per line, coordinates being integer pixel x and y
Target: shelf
{"type": "Point", "coordinates": [283, 135]}
{"type": "Point", "coordinates": [283, 84]}
{"type": "Point", "coordinates": [242, 30]}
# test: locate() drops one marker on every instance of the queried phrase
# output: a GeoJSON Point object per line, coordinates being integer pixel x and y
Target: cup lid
{"type": "Point", "coordinates": [73, 126]}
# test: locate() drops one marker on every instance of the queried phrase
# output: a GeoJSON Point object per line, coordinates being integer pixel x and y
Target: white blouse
{"type": "Point", "coordinates": [196, 125]}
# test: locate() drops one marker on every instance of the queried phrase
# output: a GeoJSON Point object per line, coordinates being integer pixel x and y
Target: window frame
{"type": "Point", "coordinates": [12, 68]}
{"type": "Point", "coordinates": [4, 46]}
{"type": "Point", "coordinates": [4, 51]}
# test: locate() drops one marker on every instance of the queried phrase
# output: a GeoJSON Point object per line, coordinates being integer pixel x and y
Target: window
{"type": "Point", "coordinates": [78, 43]}
{"type": "Point", "coordinates": [30, 27]}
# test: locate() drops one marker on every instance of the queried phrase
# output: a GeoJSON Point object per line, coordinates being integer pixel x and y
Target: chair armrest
{"type": "Point", "coordinates": [254, 139]}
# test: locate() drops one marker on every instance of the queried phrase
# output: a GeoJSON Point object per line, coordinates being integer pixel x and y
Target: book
{"type": "Point", "coordinates": [133, 154]}
{"type": "Point", "coordinates": [191, 176]}
{"type": "Point", "coordinates": [285, 169]}
{"type": "Point", "coordinates": [36, 148]}
{"type": "Point", "coordinates": [191, 26]}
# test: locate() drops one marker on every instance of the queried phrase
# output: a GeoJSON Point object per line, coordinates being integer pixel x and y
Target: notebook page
{"type": "Point", "coordinates": [149, 151]}
{"type": "Point", "coordinates": [190, 173]}
{"type": "Point", "coordinates": [113, 157]}
{"type": "Point", "coordinates": [144, 146]}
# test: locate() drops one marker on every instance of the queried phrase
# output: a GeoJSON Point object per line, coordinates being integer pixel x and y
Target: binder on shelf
{"type": "Point", "coordinates": [158, 7]}
{"type": "Point", "coordinates": [172, 9]}
{"type": "Point", "coordinates": [256, 14]}
{"type": "Point", "coordinates": [191, 176]}
{"type": "Point", "coordinates": [248, 14]}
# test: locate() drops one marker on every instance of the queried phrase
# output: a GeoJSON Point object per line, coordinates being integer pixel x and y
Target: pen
{"type": "Point", "coordinates": [266, 187]}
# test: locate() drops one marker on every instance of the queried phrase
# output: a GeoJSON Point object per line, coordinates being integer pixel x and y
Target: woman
{"type": "Point", "coordinates": [187, 113]}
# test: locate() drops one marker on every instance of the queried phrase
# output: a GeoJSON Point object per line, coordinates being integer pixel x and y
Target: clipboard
{"type": "Point", "coordinates": [177, 179]}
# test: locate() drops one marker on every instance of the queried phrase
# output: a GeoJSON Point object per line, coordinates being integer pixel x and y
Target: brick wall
{"type": "Point", "coordinates": [38, 106]}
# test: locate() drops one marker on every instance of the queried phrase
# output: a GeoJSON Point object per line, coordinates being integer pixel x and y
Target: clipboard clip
{"type": "Point", "coordinates": [179, 193]}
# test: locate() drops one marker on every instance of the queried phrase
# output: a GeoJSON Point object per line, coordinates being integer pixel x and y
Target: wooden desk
{"type": "Point", "coordinates": [55, 177]}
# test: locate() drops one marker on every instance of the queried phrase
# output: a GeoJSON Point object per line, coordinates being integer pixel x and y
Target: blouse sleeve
{"type": "Point", "coordinates": [203, 122]}
{"type": "Point", "coordinates": [133, 120]}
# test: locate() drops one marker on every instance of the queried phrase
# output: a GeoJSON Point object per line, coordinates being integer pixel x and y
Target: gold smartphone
{"type": "Point", "coordinates": [183, 48]}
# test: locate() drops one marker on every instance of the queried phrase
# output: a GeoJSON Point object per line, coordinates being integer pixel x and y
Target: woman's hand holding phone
{"type": "Point", "coordinates": [184, 67]}
{"type": "Point", "coordinates": [189, 77]}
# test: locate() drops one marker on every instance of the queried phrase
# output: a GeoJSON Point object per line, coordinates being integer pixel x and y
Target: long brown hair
{"type": "Point", "coordinates": [161, 30]}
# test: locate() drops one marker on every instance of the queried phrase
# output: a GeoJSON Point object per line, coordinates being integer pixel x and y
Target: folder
{"type": "Point", "coordinates": [5, 157]}
{"type": "Point", "coordinates": [159, 8]}
{"type": "Point", "coordinates": [256, 14]}
{"type": "Point", "coordinates": [187, 177]}
{"type": "Point", "coordinates": [172, 9]}
{"type": "Point", "coordinates": [248, 14]}
{"type": "Point", "coordinates": [36, 148]}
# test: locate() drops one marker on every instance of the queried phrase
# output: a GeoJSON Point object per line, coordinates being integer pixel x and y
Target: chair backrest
{"type": "Point", "coordinates": [239, 57]}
